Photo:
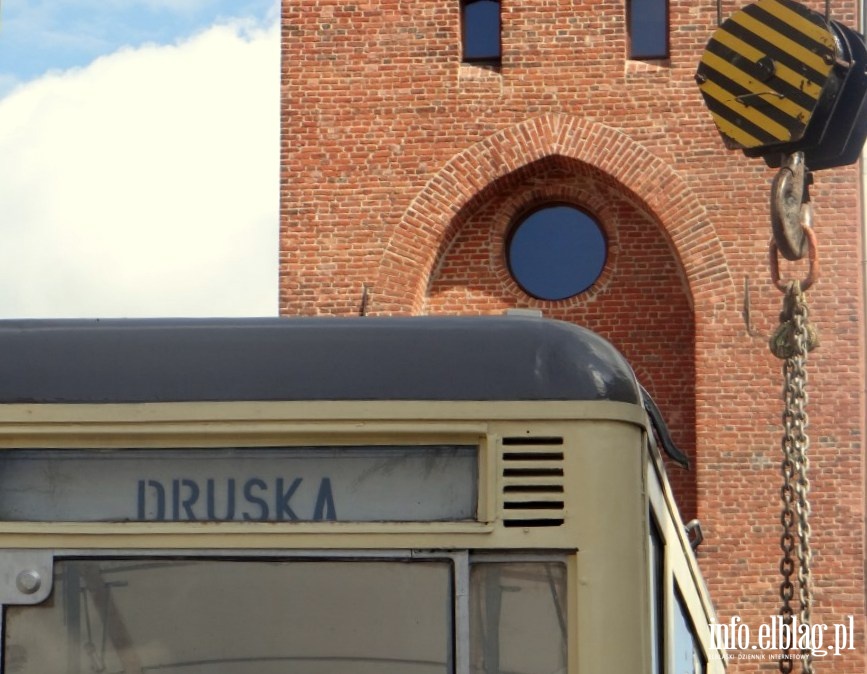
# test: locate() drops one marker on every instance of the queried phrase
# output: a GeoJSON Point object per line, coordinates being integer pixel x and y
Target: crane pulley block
{"type": "Point", "coordinates": [780, 78]}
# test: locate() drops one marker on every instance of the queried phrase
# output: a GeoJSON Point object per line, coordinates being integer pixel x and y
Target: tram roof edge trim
{"type": "Point", "coordinates": [291, 359]}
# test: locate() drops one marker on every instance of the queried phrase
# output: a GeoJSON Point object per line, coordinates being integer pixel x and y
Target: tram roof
{"type": "Point", "coordinates": [268, 359]}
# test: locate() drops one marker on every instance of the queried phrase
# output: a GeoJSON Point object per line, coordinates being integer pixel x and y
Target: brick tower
{"type": "Point", "coordinates": [416, 146]}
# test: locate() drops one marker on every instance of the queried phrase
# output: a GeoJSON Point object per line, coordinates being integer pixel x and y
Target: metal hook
{"type": "Point", "coordinates": [812, 274]}
{"type": "Point", "coordinates": [791, 212]}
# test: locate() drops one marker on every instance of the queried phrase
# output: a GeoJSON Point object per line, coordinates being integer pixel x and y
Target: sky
{"type": "Point", "coordinates": [139, 158]}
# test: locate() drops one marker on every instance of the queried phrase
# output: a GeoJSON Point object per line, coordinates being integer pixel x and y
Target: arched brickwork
{"type": "Point", "coordinates": [601, 168]}
{"type": "Point", "coordinates": [412, 250]}
{"type": "Point", "coordinates": [640, 302]}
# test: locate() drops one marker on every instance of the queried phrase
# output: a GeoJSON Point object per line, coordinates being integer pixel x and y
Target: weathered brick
{"type": "Point", "coordinates": [402, 168]}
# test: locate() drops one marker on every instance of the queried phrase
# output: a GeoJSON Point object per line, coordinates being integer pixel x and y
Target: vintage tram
{"type": "Point", "coordinates": [461, 495]}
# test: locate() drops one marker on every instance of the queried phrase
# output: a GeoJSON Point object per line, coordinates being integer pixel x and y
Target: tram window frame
{"type": "Point", "coordinates": [699, 657]}
{"type": "Point", "coordinates": [458, 586]}
{"type": "Point", "coordinates": [180, 485]}
{"type": "Point", "coordinates": [481, 649]}
{"type": "Point", "coordinates": [684, 589]}
{"type": "Point", "coordinates": [656, 559]}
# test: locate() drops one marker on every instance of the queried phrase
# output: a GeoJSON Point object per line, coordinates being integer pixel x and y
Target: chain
{"type": "Point", "coordinates": [793, 340]}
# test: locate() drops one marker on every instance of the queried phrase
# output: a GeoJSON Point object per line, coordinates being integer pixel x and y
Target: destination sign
{"type": "Point", "coordinates": [273, 484]}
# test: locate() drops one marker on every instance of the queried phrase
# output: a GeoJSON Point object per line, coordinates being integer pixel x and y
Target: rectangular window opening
{"type": "Point", "coordinates": [648, 29]}
{"type": "Point", "coordinates": [480, 32]}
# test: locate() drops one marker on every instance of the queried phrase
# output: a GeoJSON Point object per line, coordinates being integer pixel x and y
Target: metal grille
{"type": "Point", "coordinates": [532, 481]}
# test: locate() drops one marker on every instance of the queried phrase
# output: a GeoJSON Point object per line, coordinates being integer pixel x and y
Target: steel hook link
{"type": "Point", "coordinates": [791, 211]}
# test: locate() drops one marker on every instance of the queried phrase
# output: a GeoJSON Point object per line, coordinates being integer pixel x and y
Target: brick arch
{"type": "Point", "coordinates": [411, 252]}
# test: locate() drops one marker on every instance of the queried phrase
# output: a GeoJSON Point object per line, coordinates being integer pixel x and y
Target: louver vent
{"type": "Point", "coordinates": [532, 481]}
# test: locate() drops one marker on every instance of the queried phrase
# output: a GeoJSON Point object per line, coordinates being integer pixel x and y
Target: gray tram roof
{"type": "Point", "coordinates": [267, 359]}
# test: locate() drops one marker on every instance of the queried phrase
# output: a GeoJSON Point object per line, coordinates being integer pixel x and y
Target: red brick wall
{"type": "Point", "coordinates": [655, 332]}
{"type": "Point", "coordinates": [401, 169]}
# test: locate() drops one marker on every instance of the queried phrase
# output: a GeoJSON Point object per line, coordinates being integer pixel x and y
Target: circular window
{"type": "Point", "coordinates": [556, 252]}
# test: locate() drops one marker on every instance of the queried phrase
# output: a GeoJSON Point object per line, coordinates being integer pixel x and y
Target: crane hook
{"type": "Point", "coordinates": [791, 211]}
{"type": "Point", "coordinates": [812, 274]}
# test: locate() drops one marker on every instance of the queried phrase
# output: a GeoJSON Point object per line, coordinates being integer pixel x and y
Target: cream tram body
{"type": "Point", "coordinates": [417, 495]}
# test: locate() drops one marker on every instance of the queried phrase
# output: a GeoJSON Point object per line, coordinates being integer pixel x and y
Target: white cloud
{"type": "Point", "coordinates": [145, 183]}
{"type": "Point", "coordinates": [7, 83]}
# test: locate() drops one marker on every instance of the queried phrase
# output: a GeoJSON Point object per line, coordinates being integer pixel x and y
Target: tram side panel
{"type": "Point", "coordinates": [603, 530]}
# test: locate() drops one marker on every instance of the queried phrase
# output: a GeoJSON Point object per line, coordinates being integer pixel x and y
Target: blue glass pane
{"type": "Point", "coordinates": [482, 30]}
{"type": "Point", "coordinates": [556, 252]}
{"type": "Point", "coordinates": [687, 655]}
{"type": "Point", "coordinates": [648, 28]}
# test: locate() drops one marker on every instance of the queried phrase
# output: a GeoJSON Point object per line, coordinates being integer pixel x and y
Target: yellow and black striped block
{"type": "Point", "coordinates": [764, 72]}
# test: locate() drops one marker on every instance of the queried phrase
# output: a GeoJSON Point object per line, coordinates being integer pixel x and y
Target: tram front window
{"type": "Point", "coordinates": [237, 617]}
{"type": "Point", "coordinates": [401, 615]}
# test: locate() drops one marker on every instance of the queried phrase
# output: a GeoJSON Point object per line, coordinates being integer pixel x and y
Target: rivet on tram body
{"type": "Point", "coordinates": [28, 581]}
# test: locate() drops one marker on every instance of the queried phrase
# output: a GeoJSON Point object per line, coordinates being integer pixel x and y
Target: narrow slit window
{"type": "Point", "coordinates": [648, 29]}
{"type": "Point", "coordinates": [480, 31]}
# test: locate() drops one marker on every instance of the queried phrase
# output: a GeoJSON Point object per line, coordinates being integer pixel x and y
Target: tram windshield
{"type": "Point", "coordinates": [314, 616]}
